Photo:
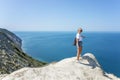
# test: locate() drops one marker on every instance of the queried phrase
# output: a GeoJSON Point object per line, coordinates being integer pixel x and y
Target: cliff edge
{"type": "Point", "coordinates": [67, 69]}
{"type": "Point", "coordinates": [12, 56]}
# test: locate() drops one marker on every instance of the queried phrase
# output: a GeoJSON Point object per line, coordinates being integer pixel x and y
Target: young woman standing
{"type": "Point", "coordinates": [79, 39]}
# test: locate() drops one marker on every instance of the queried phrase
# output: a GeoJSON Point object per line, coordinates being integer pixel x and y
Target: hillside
{"type": "Point", "coordinates": [12, 57]}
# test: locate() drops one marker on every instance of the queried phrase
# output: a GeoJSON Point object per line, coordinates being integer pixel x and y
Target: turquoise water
{"type": "Point", "coordinates": [54, 46]}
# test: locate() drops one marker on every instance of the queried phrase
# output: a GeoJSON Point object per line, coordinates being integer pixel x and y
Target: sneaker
{"type": "Point", "coordinates": [77, 61]}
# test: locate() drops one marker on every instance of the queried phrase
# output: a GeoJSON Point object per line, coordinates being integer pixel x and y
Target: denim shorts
{"type": "Point", "coordinates": [80, 43]}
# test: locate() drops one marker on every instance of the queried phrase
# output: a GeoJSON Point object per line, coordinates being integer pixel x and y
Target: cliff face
{"type": "Point", "coordinates": [67, 69]}
{"type": "Point", "coordinates": [12, 56]}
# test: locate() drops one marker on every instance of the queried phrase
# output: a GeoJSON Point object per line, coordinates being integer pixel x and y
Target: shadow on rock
{"type": "Point", "coordinates": [91, 61]}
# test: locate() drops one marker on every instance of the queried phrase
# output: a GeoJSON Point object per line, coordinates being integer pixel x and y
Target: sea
{"type": "Point", "coordinates": [54, 46]}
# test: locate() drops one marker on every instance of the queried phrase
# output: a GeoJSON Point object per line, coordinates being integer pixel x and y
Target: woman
{"type": "Point", "coordinates": [79, 39]}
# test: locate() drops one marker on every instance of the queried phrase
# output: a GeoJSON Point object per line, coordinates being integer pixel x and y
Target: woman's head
{"type": "Point", "coordinates": [80, 30]}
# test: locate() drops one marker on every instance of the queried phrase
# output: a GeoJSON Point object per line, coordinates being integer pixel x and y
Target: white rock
{"type": "Point", "coordinates": [2, 76]}
{"type": "Point", "coordinates": [67, 69]}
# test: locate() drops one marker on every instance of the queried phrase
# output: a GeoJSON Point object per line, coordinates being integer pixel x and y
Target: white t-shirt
{"type": "Point", "coordinates": [78, 36]}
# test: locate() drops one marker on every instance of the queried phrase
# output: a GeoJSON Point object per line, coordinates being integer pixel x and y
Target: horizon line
{"type": "Point", "coordinates": [59, 31]}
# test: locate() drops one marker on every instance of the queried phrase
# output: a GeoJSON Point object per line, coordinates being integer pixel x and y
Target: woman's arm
{"type": "Point", "coordinates": [83, 36]}
{"type": "Point", "coordinates": [77, 40]}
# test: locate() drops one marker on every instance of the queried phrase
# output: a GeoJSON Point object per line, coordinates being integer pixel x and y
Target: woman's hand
{"type": "Point", "coordinates": [83, 36]}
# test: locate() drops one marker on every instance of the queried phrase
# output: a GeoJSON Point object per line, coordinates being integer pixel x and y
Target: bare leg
{"type": "Point", "coordinates": [79, 50]}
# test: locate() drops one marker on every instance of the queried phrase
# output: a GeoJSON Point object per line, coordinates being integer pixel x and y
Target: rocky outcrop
{"type": "Point", "coordinates": [12, 56]}
{"type": "Point", "coordinates": [67, 69]}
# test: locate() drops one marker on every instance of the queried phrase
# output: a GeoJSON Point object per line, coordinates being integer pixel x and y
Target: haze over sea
{"type": "Point", "coordinates": [54, 46]}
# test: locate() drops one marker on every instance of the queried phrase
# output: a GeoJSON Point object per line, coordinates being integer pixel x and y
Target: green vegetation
{"type": "Point", "coordinates": [11, 55]}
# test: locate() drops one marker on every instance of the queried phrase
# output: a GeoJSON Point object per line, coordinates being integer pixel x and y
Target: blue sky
{"type": "Point", "coordinates": [60, 15]}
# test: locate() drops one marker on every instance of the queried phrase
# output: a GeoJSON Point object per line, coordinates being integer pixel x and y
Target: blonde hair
{"type": "Point", "coordinates": [80, 29]}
